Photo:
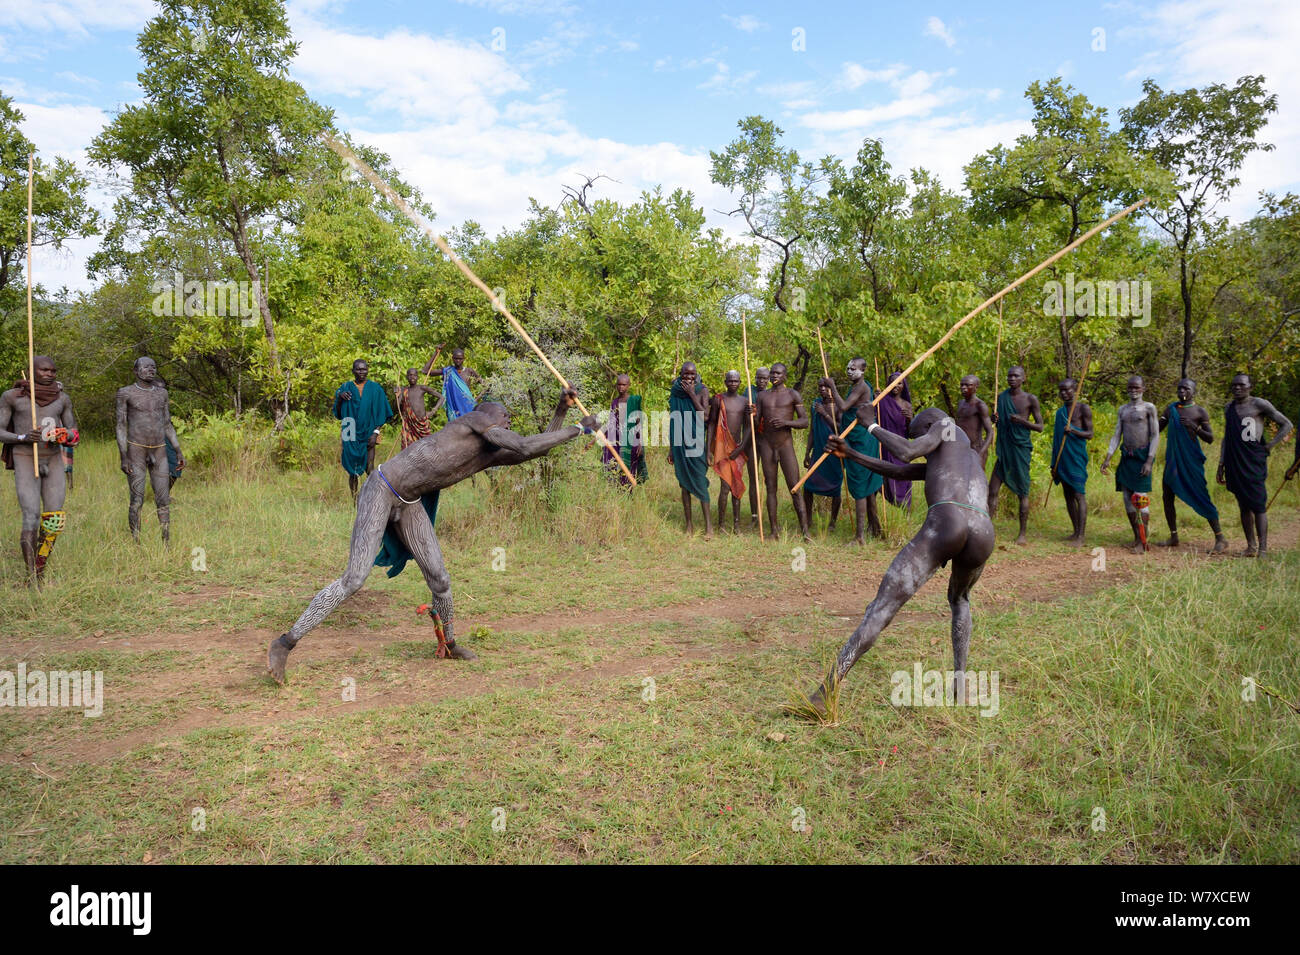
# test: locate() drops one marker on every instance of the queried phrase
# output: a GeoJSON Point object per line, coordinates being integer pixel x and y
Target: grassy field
{"type": "Point", "coordinates": [626, 703]}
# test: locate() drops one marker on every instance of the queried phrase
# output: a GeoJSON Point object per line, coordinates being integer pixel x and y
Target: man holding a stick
{"type": "Point", "coordinates": [41, 488]}
{"type": "Point", "coordinates": [956, 528]}
{"type": "Point", "coordinates": [1018, 414]}
{"type": "Point", "coordinates": [1137, 430]}
{"type": "Point", "coordinates": [864, 483]}
{"type": "Point", "coordinates": [1070, 435]}
{"type": "Point", "coordinates": [1184, 477]}
{"type": "Point", "coordinates": [395, 513]}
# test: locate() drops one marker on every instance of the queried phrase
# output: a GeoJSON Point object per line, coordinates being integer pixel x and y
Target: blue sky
{"type": "Point", "coordinates": [484, 103]}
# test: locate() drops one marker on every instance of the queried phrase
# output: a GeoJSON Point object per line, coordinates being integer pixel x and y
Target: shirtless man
{"type": "Point", "coordinates": [409, 402]}
{"type": "Point", "coordinates": [780, 410]}
{"type": "Point", "coordinates": [761, 378]}
{"type": "Point", "coordinates": [1243, 459]}
{"type": "Point", "coordinates": [1138, 431]}
{"type": "Point", "coordinates": [475, 441]}
{"type": "Point", "coordinates": [40, 495]}
{"type": "Point", "coordinates": [1184, 474]}
{"type": "Point", "coordinates": [956, 528]}
{"type": "Point", "coordinates": [973, 417]}
{"type": "Point", "coordinates": [728, 412]}
{"type": "Point", "coordinates": [1020, 413]}
{"type": "Point", "coordinates": [144, 428]}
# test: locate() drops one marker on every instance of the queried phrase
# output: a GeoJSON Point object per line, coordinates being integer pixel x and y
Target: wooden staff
{"type": "Point", "coordinates": [835, 425]}
{"type": "Point", "coordinates": [1285, 478]}
{"type": "Point", "coordinates": [31, 343]}
{"type": "Point", "coordinates": [1078, 390]}
{"type": "Point", "coordinates": [971, 314]}
{"type": "Point", "coordinates": [877, 361]}
{"type": "Point", "coordinates": [353, 160]}
{"type": "Point", "coordinates": [997, 363]}
{"type": "Point", "coordinates": [753, 425]}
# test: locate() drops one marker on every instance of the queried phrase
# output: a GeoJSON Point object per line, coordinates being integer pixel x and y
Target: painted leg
{"type": "Point", "coordinates": [367, 534]}
{"type": "Point", "coordinates": [873, 516]}
{"type": "Point", "coordinates": [1171, 516]}
{"type": "Point", "coordinates": [859, 520]}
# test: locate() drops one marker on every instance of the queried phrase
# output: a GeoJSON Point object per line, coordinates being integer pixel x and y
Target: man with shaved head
{"type": "Point", "coordinates": [728, 430]}
{"type": "Point", "coordinates": [396, 512]}
{"type": "Point", "coordinates": [1243, 459]}
{"type": "Point", "coordinates": [973, 417]}
{"type": "Point", "coordinates": [864, 484]}
{"type": "Point", "coordinates": [41, 490]}
{"type": "Point", "coordinates": [1188, 424]}
{"type": "Point", "coordinates": [1018, 415]}
{"type": "Point", "coordinates": [1070, 436]}
{"type": "Point", "coordinates": [688, 412]}
{"type": "Point", "coordinates": [957, 529]}
{"type": "Point", "coordinates": [1137, 432]}
{"type": "Point", "coordinates": [411, 408]}
{"type": "Point", "coordinates": [144, 430]}
{"type": "Point", "coordinates": [780, 410]}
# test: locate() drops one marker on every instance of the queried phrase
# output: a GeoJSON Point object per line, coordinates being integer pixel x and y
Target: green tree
{"type": "Point", "coordinates": [1202, 137]}
{"type": "Point", "coordinates": [222, 136]}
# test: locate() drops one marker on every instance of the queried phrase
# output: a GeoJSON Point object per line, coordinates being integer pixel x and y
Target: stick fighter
{"type": "Point", "coordinates": [144, 429]}
{"type": "Point", "coordinates": [957, 528]}
{"type": "Point", "coordinates": [1137, 437]}
{"type": "Point", "coordinates": [40, 499]}
{"type": "Point", "coordinates": [394, 519]}
{"type": "Point", "coordinates": [1243, 459]}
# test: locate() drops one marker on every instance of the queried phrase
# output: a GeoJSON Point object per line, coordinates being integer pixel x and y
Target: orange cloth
{"type": "Point", "coordinates": [732, 472]}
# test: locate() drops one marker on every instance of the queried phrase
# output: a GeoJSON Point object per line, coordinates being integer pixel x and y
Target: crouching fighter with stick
{"type": "Point", "coordinates": [395, 513]}
{"type": "Point", "coordinates": [957, 528]}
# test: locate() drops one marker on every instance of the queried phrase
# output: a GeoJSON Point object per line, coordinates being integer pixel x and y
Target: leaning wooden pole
{"type": "Point", "coordinates": [31, 340]}
{"type": "Point", "coordinates": [1069, 419]}
{"type": "Point", "coordinates": [826, 370]}
{"type": "Point", "coordinates": [387, 191]}
{"type": "Point", "coordinates": [971, 314]}
{"type": "Point", "coordinates": [753, 426]}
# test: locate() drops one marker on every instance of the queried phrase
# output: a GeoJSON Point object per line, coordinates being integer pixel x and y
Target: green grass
{"type": "Point", "coordinates": [1126, 696]}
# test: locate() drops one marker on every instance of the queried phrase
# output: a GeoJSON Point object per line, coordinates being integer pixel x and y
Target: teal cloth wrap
{"type": "Point", "coordinates": [394, 554]}
{"type": "Point", "coordinates": [686, 437]}
{"type": "Point", "coordinates": [862, 481]}
{"type": "Point", "coordinates": [1128, 476]}
{"type": "Point", "coordinates": [1014, 447]}
{"type": "Point", "coordinates": [368, 410]}
{"type": "Point", "coordinates": [1185, 467]}
{"type": "Point", "coordinates": [1072, 463]}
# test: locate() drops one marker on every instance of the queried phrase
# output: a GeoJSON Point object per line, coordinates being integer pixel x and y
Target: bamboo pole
{"type": "Point", "coordinates": [1285, 478]}
{"type": "Point", "coordinates": [971, 314]}
{"type": "Point", "coordinates": [835, 425]}
{"type": "Point", "coordinates": [753, 429]}
{"type": "Point", "coordinates": [353, 160]}
{"type": "Point", "coordinates": [31, 341]}
{"type": "Point", "coordinates": [997, 363]}
{"type": "Point", "coordinates": [1069, 418]}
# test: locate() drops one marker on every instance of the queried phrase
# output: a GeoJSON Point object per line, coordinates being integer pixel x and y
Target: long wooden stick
{"type": "Point", "coordinates": [1069, 419]}
{"type": "Point", "coordinates": [753, 422]}
{"type": "Point", "coordinates": [357, 163]}
{"type": "Point", "coordinates": [835, 424]}
{"type": "Point", "coordinates": [31, 342]}
{"type": "Point", "coordinates": [997, 363]}
{"type": "Point", "coordinates": [1277, 492]}
{"type": "Point", "coordinates": [971, 314]}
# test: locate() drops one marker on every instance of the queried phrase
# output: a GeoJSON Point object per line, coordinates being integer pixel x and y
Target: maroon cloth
{"type": "Point", "coordinates": [892, 418]}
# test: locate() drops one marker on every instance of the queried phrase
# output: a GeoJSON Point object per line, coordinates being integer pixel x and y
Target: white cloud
{"type": "Point", "coordinates": [934, 27]}
{"type": "Point", "coordinates": [745, 23]}
{"type": "Point", "coordinates": [1199, 42]}
{"type": "Point", "coordinates": [76, 16]}
{"type": "Point", "coordinates": [853, 75]}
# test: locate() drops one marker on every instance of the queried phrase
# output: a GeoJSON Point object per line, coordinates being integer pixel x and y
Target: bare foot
{"type": "Point", "coordinates": [1249, 552]}
{"type": "Point", "coordinates": [277, 655]}
{"type": "Point", "coordinates": [457, 652]}
{"type": "Point", "coordinates": [1022, 540]}
{"type": "Point", "coordinates": [1220, 545]}
{"type": "Point", "coordinates": [858, 541]}
{"type": "Point", "coordinates": [1172, 542]}
{"type": "Point", "coordinates": [1137, 548]}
